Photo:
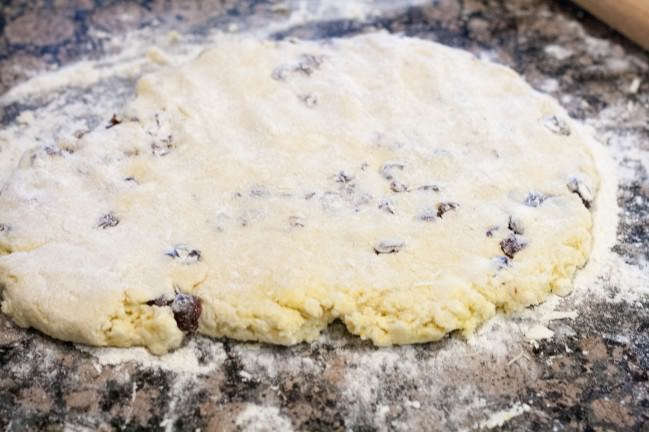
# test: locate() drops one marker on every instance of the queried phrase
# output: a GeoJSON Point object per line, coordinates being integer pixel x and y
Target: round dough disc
{"type": "Point", "coordinates": [265, 189]}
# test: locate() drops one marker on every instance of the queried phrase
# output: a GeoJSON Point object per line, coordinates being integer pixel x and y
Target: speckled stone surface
{"type": "Point", "coordinates": [594, 375]}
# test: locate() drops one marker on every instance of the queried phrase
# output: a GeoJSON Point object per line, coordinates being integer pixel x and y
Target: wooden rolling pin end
{"type": "Point", "coordinates": [630, 17]}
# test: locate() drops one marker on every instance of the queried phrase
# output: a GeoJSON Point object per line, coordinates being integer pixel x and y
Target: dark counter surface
{"type": "Point", "coordinates": [593, 377]}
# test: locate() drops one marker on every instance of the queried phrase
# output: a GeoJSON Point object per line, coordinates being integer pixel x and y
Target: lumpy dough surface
{"type": "Point", "coordinates": [266, 188]}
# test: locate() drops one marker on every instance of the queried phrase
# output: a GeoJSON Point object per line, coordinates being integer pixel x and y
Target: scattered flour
{"type": "Point", "coordinates": [558, 52]}
{"type": "Point", "coordinates": [259, 361]}
{"type": "Point", "coordinates": [538, 332]}
{"type": "Point", "coordinates": [63, 102]}
{"type": "Point", "coordinates": [184, 361]}
{"type": "Point", "coordinates": [501, 417]}
{"type": "Point", "coordinates": [258, 418]}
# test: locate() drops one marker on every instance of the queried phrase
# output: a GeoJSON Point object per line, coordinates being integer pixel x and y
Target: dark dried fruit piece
{"type": "Point", "coordinates": [114, 121]}
{"type": "Point", "coordinates": [130, 179]}
{"type": "Point", "coordinates": [387, 206]}
{"type": "Point", "coordinates": [446, 207]}
{"type": "Point", "coordinates": [4, 228]}
{"type": "Point", "coordinates": [491, 230]}
{"type": "Point", "coordinates": [515, 226]}
{"type": "Point", "coordinates": [397, 186]}
{"type": "Point", "coordinates": [184, 254]}
{"type": "Point", "coordinates": [389, 247]}
{"type": "Point", "coordinates": [187, 310]}
{"type": "Point", "coordinates": [108, 220]}
{"type": "Point", "coordinates": [579, 187]}
{"type": "Point", "coordinates": [430, 187]}
{"type": "Point", "coordinates": [534, 199]}
{"type": "Point", "coordinates": [512, 244]}
{"type": "Point", "coordinates": [556, 125]}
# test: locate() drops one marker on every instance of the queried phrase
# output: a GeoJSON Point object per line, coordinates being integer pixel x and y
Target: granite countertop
{"type": "Point", "coordinates": [593, 375]}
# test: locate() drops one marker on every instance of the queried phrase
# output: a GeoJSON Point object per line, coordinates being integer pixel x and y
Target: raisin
{"type": "Point", "coordinates": [4, 228]}
{"type": "Point", "coordinates": [446, 207]}
{"type": "Point", "coordinates": [108, 220]}
{"type": "Point", "coordinates": [491, 230]}
{"type": "Point", "coordinates": [512, 244]}
{"type": "Point", "coordinates": [114, 121]}
{"type": "Point", "coordinates": [534, 199]}
{"type": "Point", "coordinates": [556, 125]}
{"type": "Point", "coordinates": [130, 179]}
{"type": "Point", "coordinates": [185, 255]}
{"type": "Point", "coordinates": [397, 186]}
{"type": "Point", "coordinates": [579, 187]}
{"type": "Point", "coordinates": [187, 310]}
{"type": "Point", "coordinates": [388, 247]}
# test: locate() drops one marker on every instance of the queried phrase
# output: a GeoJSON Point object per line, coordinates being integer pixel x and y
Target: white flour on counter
{"type": "Point", "coordinates": [84, 95]}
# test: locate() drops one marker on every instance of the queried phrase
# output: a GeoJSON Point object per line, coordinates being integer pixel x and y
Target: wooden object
{"type": "Point", "coordinates": [630, 17]}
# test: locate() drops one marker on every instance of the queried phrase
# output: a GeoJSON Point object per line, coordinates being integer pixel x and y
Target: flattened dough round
{"type": "Point", "coordinates": [403, 187]}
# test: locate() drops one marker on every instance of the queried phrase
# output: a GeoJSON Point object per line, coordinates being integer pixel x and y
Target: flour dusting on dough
{"type": "Point", "coordinates": [499, 341]}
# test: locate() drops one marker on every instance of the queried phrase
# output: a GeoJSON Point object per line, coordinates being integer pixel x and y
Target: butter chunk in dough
{"type": "Point", "coordinates": [267, 188]}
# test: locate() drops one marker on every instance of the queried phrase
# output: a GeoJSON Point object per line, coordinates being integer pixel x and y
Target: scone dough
{"type": "Point", "coordinates": [403, 187]}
